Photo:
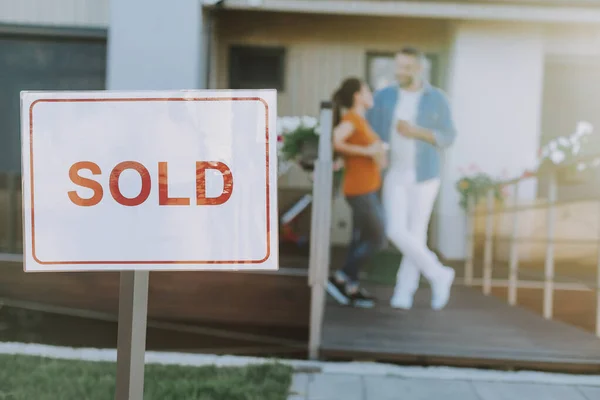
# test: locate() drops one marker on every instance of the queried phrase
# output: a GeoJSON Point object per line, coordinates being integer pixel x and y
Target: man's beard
{"type": "Point", "coordinates": [405, 82]}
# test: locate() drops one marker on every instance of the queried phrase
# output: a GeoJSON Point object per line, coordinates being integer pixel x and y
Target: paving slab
{"type": "Point", "coordinates": [339, 386]}
{"type": "Point", "coordinates": [335, 387]}
{"type": "Point", "coordinates": [526, 391]}
{"type": "Point", "coordinates": [591, 393]}
{"type": "Point", "coordinates": [392, 388]}
{"type": "Point", "coordinates": [299, 387]}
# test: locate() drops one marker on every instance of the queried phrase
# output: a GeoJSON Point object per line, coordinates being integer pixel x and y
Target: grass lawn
{"type": "Point", "coordinates": [36, 378]}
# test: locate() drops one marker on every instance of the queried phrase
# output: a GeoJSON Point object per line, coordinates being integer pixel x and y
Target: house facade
{"type": "Point", "coordinates": [517, 72]}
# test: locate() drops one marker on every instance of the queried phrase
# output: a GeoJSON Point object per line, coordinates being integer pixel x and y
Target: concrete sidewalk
{"type": "Point", "coordinates": [331, 386]}
{"type": "Point", "coordinates": [315, 380]}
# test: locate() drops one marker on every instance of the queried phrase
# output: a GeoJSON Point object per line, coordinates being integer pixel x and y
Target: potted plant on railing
{"type": "Point", "coordinates": [476, 184]}
{"type": "Point", "coordinates": [299, 138]}
{"type": "Point", "coordinates": [473, 188]}
{"type": "Point", "coordinates": [561, 152]}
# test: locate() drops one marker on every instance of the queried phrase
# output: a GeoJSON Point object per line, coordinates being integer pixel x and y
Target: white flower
{"type": "Point", "coordinates": [576, 148]}
{"type": "Point", "coordinates": [294, 123]}
{"type": "Point", "coordinates": [545, 152]}
{"type": "Point", "coordinates": [289, 124]}
{"type": "Point", "coordinates": [552, 145]}
{"type": "Point", "coordinates": [557, 156]}
{"type": "Point", "coordinates": [581, 167]}
{"type": "Point", "coordinates": [309, 122]}
{"type": "Point", "coordinates": [318, 130]}
{"type": "Point", "coordinates": [564, 141]}
{"type": "Point", "coordinates": [584, 128]}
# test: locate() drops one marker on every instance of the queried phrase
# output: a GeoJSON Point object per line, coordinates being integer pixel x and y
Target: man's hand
{"type": "Point", "coordinates": [411, 131]}
{"type": "Point", "coordinates": [406, 129]}
{"type": "Point", "coordinates": [378, 152]}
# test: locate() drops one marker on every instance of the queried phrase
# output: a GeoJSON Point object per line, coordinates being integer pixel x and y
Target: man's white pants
{"type": "Point", "coordinates": [408, 206]}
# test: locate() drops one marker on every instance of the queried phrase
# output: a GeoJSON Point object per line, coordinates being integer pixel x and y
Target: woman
{"type": "Point", "coordinates": [364, 156]}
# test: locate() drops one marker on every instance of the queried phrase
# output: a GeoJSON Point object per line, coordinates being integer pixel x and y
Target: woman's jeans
{"type": "Point", "coordinates": [368, 233]}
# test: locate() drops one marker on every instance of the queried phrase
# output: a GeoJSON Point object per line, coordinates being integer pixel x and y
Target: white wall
{"type": "Point", "coordinates": [76, 13]}
{"type": "Point", "coordinates": [572, 40]}
{"type": "Point", "coordinates": [495, 84]}
{"type": "Point", "coordinates": [156, 44]}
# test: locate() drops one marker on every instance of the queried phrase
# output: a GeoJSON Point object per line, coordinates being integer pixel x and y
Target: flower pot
{"type": "Point", "coordinates": [309, 152]}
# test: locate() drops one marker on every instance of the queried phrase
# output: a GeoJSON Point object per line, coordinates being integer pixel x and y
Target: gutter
{"type": "Point", "coordinates": [481, 10]}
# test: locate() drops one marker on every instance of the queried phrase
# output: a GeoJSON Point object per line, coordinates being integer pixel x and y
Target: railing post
{"type": "Point", "coordinates": [489, 243]}
{"type": "Point", "coordinates": [549, 266]}
{"type": "Point", "coordinates": [513, 272]}
{"type": "Point", "coordinates": [320, 230]}
{"type": "Point", "coordinates": [470, 242]}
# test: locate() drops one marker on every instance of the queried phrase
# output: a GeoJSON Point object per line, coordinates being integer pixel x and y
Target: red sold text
{"type": "Point", "coordinates": [163, 184]}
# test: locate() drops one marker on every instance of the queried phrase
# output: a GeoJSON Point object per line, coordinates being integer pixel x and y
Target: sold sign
{"type": "Point", "coordinates": [120, 181]}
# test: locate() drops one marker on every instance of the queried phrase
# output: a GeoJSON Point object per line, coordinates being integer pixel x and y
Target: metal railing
{"type": "Point", "coordinates": [513, 283]}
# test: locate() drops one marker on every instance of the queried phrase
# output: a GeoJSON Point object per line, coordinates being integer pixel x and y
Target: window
{"type": "Point", "coordinates": [380, 69]}
{"type": "Point", "coordinates": [31, 62]}
{"type": "Point", "coordinates": [252, 67]}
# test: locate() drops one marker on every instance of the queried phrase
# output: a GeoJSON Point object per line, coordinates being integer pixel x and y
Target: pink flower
{"type": "Point", "coordinates": [473, 168]}
{"type": "Point", "coordinates": [338, 164]}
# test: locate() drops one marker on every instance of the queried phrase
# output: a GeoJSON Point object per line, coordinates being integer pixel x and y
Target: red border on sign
{"type": "Point", "coordinates": [83, 262]}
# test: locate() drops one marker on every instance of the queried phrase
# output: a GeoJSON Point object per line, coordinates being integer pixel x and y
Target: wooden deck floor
{"type": "Point", "coordinates": [474, 331]}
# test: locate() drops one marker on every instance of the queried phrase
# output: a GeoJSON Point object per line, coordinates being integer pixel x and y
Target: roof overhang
{"type": "Point", "coordinates": [551, 11]}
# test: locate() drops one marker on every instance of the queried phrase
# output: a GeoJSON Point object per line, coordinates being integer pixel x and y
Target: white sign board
{"type": "Point", "coordinates": [149, 180]}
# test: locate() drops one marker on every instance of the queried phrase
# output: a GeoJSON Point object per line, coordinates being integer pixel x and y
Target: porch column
{"type": "Point", "coordinates": [156, 44]}
{"type": "Point", "coordinates": [495, 85]}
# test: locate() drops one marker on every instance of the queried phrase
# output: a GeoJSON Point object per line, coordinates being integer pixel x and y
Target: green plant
{"type": "Point", "coordinates": [299, 143]}
{"type": "Point", "coordinates": [477, 186]}
{"type": "Point", "coordinates": [295, 141]}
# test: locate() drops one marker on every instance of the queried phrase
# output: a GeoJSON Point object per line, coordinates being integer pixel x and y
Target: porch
{"type": "Point", "coordinates": [550, 319]}
{"type": "Point", "coordinates": [473, 331]}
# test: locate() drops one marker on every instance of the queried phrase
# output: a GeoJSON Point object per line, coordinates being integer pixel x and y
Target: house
{"type": "Point", "coordinates": [517, 72]}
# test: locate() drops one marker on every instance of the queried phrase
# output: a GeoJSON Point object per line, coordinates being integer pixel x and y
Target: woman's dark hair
{"type": "Point", "coordinates": [344, 97]}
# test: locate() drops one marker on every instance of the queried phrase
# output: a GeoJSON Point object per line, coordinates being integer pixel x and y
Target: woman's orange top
{"type": "Point", "coordinates": [362, 174]}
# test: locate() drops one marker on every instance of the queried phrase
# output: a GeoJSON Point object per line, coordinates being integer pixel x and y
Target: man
{"type": "Point", "coordinates": [415, 119]}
